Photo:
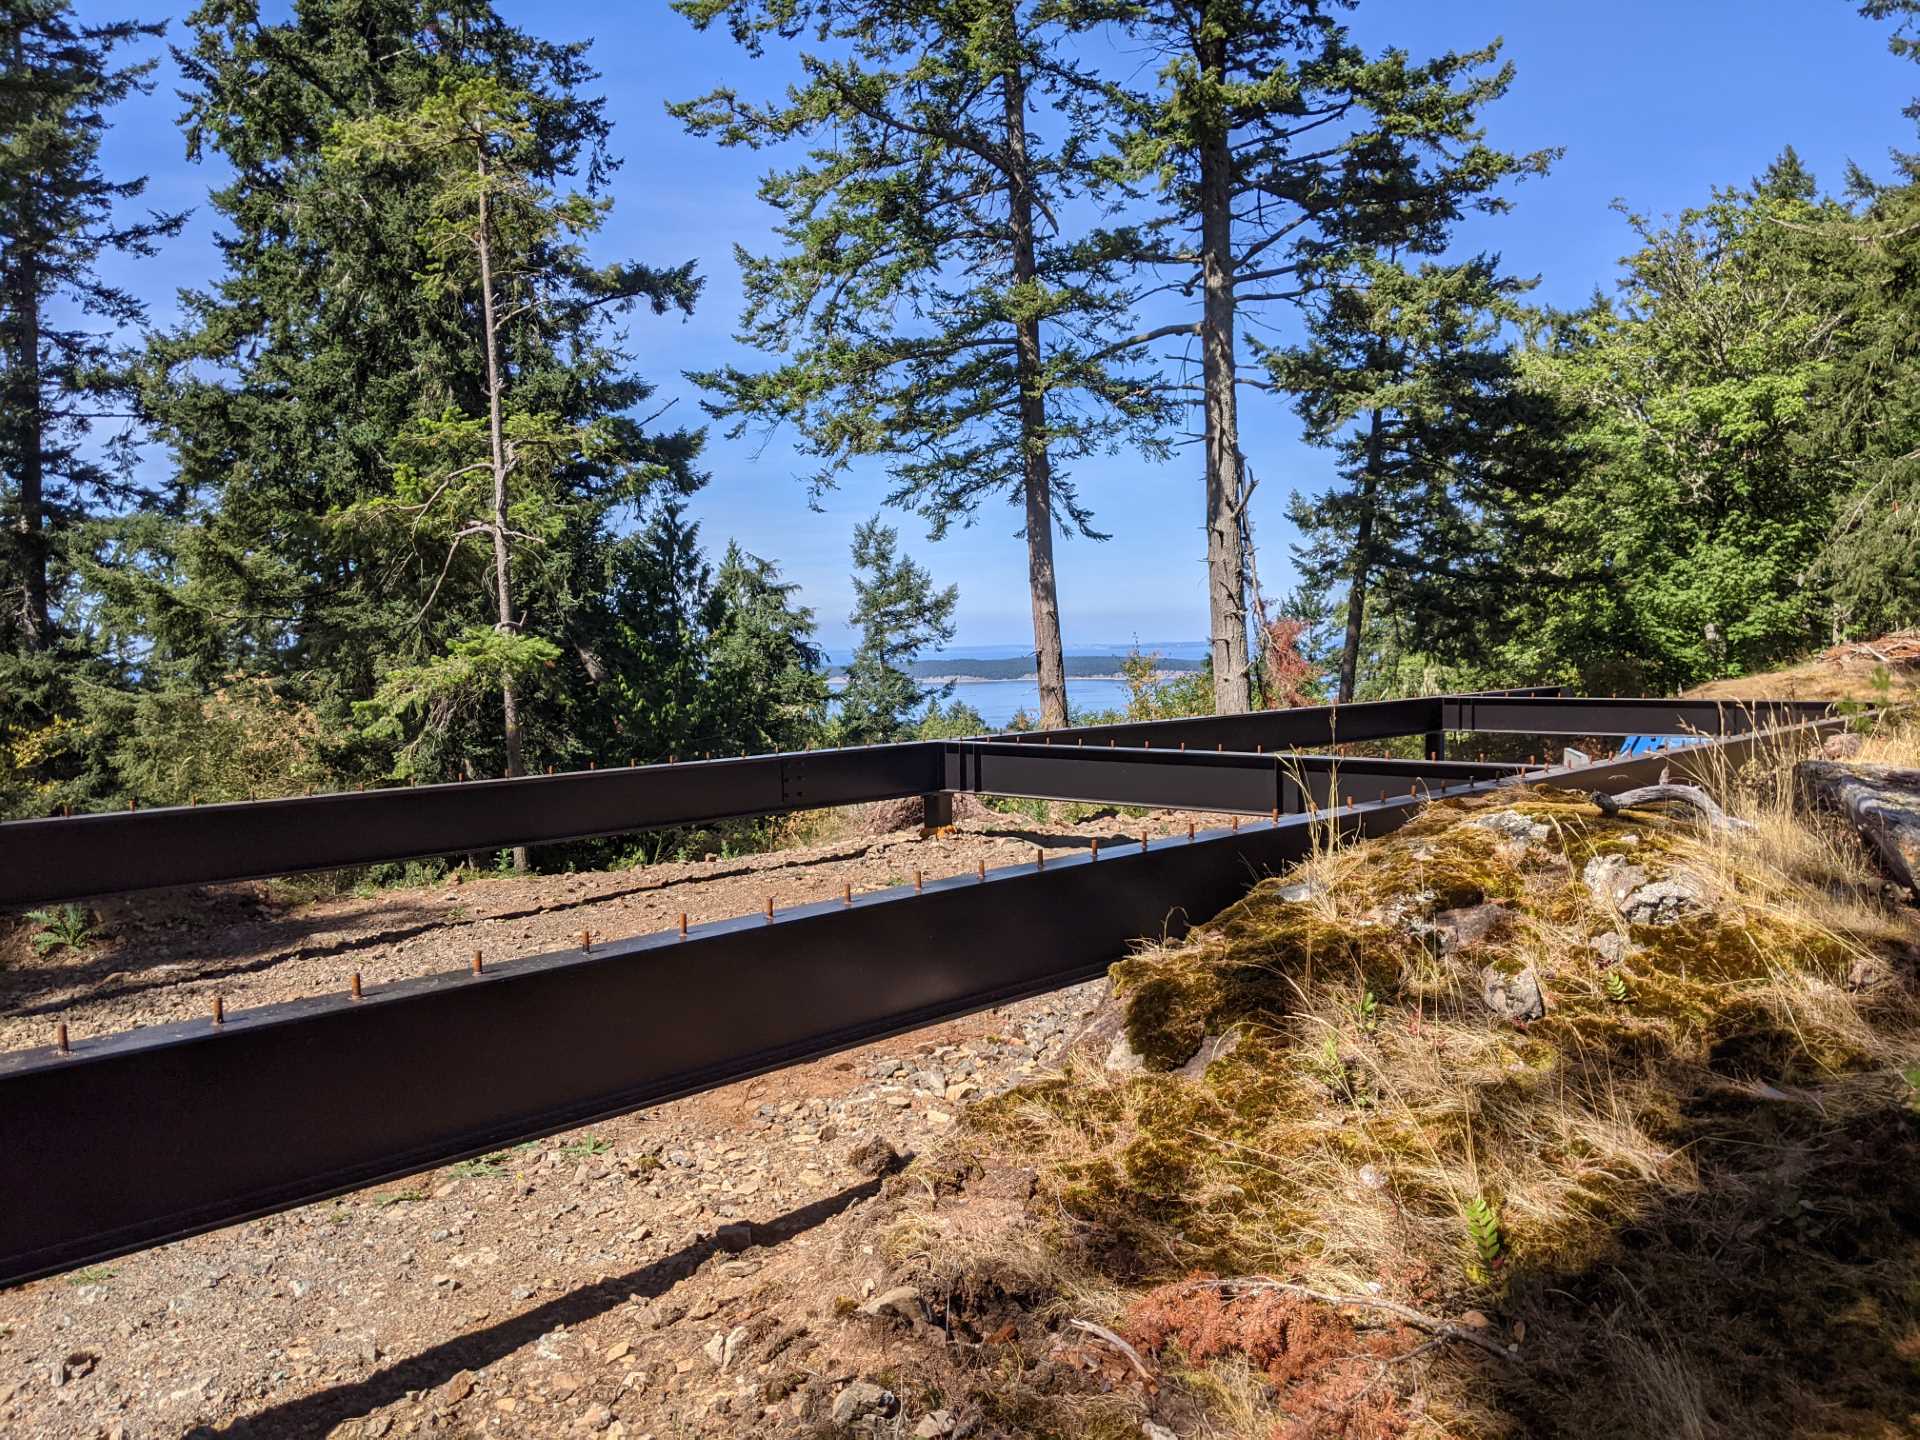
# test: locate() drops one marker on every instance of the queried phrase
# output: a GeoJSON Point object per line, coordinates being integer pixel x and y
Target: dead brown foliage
{"type": "Point", "coordinates": [1333, 1378]}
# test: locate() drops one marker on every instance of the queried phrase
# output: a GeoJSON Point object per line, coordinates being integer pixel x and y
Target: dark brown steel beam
{"type": "Point", "coordinates": [134, 1139]}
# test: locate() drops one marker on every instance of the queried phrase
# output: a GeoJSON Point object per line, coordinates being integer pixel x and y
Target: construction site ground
{"type": "Point", "coordinates": [571, 1285]}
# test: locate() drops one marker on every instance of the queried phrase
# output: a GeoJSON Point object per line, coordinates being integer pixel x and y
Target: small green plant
{"type": "Point", "coordinates": [1483, 1225]}
{"type": "Point", "coordinates": [1366, 1012]}
{"type": "Point", "coordinates": [1911, 1074]}
{"type": "Point", "coordinates": [484, 1168]}
{"type": "Point", "coordinates": [400, 1197]}
{"type": "Point", "coordinates": [92, 1275]}
{"type": "Point", "coordinates": [581, 1149]}
{"type": "Point", "coordinates": [1862, 715]}
{"type": "Point", "coordinates": [70, 926]}
{"type": "Point", "coordinates": [1616, 988]}
{"type": "Point", "coordinates": [1332, 1068]}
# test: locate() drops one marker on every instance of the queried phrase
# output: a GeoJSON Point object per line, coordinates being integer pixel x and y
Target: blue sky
{"type": "Point", "coordinates": [1654, 103]}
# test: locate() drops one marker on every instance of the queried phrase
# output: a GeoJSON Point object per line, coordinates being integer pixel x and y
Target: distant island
{"type": "Point", "coordinates": [960, 669]}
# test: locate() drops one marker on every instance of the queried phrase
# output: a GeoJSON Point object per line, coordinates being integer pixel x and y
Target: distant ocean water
{"type": "Point", "coordinates": [998, 701]}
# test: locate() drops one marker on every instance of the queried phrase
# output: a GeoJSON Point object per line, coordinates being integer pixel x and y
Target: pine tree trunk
{"type": "Point", "coordinates": [1037, 464]}
{"type": "Point", "coordinates": [1362, 566]}
{"type": "Point", "coordinates": [1226, 568]}
{"type": "Point", "coordinates": [36, 624]}
{"type": "Point", "coordinates": [496, 436]}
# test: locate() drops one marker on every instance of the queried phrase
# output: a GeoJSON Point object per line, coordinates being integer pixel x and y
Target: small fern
{"type": "Point", "coordinates": [1911, 1074]}
{"type": "Point", "coordinates": [70, 926]}
{"type": "Point", "coordinates": [1483, 1224]}
{"type": "Point", "coordinates": [1617, 988]}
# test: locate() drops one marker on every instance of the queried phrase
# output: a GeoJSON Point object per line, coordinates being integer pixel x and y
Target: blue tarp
{"type": "Point", "coordinates": [1653, 744]}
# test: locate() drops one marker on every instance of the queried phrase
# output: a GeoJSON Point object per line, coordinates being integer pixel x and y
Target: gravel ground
{"type": "Point", "coordinates": [574, 1285]}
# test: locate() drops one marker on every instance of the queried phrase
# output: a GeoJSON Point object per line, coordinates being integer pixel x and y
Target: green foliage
{"type": "Point", "coordinates": [1686, 549]}
{"type": "Point", "coordinates": [899, 613]}
{"type": "Point", "coordinates": [416, 700]}
{"type": "Point", "coordinates": [1252, 201]}
{"type": "Point", "coordinates": [1154, 694]}
{"type": "Point", "coordinates": [937, 302]}
{"type": "Point", "coordinates": [1911, 1074]}
{"type": "Point", "coordinates": [1366, 1012]}
{"type": "Point", "coordinates": [1483, 1228]}
{"type": "Point", "coordinates": [1407, 376]}
{"type": "Point", "coordinates": [65, 927]}
{"type": "Point", "coordinates": [957, 720]}
{"type": "Point", "coordinates": [326, 402]}
{"type": "Point", "coordinates": [66, 464]}
{"type": "Point", "coordinates": [908, 210]}
{"type": "Point", "coordinates": [244, 739]}
{"type": "Point", "coordinates": [1616, 988]}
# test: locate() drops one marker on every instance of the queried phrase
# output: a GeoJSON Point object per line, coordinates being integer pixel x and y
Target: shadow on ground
{"type": "Point", "coordinates": [1780, 1298]}
{"type": "Point", "coordinates": [320, 1412]}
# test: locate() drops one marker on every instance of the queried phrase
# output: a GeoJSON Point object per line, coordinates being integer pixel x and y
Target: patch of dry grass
{"type": "Point", "coordinates": [1698, 1168]}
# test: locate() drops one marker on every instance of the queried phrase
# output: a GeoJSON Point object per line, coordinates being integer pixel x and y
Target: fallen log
{"type": "Point", "coordinates": [1882, 801]}
{"type": "Point", "coordinates": [1663, 794]}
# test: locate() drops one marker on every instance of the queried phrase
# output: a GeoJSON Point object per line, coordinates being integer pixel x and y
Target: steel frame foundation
{"type": "Point", "coordinates": [123, 1141]}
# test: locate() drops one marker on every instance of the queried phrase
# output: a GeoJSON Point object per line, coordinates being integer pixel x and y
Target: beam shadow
{"type": "Point", "coordinates": [319, 1413]}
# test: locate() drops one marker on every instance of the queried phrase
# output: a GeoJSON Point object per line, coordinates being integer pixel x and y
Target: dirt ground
{"type": "Point", "coordinates": [1843, 672]}
{"type": "Point", "coordinates": [579, 1285]}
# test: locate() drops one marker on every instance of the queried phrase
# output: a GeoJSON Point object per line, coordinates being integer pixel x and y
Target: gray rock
{"type": "Point", "coordinates": [1610, 946]}
{"type": "Point", "coordinates": [734, 1238]}
{"type": "Point", "coordinates": [1122, 1058]}
{"type": "Point", "coordinates": [861, 1399]}
{"type": "Point", "coordinates": [934, 1425]}
{"type": "Point", "coordinates": [1102, 1040]}
{"type": "Point", "coordinates": [1869, 972]}
{"type": "Point", "coordinates": [1843, 746]}
{"type": "Point", "coordinates": [1610, 879]}
{"type": "Point", "coordinates": [1469, 926]}
{"type": "Point", "coordinates": [1640, 901]}
{"type": "Point", "coordinates": [901, 1300]}
{"type": "Point", "coordinates": [1212, 1048]}
{"type": "Point", "coordinates": [1300, 891]}
{"type": "Point", "coordinates": [1513, 997]}
{"type": "Point", "coordinates": [1663, 902]}
{"type": "Point", "coordinates": [1512, 825]}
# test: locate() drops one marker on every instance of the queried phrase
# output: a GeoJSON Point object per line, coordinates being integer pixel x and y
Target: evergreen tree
{"type": "Point", "coordinates": [345, 365]}
{"type": "Point", "coordinates": [1870, 563]}
{"type": "Point", "coordinates": [1686, 549]}
{"type": "Point", "coordinates": [704, 661]}
{"type": "Point", "coordinates": [1271, 147]}
{"type": "Point", "coordinates": [65, 453]}
{"type": "Point", "coordinates": [1406, 375]}
{"type": "Point", "coordinates": [765, 687]}
{"type": "Point", "coordinates": [898, 613]}
{"type": "Point", "coordinates": [931, 306]}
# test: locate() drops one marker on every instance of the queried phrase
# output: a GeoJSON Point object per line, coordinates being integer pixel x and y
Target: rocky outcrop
{"type": "Point", "coordinates": [1640, 899]}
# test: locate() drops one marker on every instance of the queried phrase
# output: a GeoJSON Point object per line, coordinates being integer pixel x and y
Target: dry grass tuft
{"type": "Point", "coordinates": [1687, 1193]}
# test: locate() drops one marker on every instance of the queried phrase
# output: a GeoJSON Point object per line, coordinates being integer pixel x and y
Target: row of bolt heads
{"type": "Point", "coordinates": [62, 1046]}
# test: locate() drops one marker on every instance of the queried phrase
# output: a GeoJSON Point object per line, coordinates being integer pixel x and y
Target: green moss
{"type": "Point", "coordinates": [1340, 1141]}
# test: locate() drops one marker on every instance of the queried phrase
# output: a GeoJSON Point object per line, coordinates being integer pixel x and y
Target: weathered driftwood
{"type": "Point", "coordinates": [1691, 795]}
{"type": "Point", "coordinates": [1882, 801]}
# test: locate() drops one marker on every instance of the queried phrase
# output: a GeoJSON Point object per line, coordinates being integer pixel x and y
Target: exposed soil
{"type": "Point", "coordinates": [571, 1285]}
{"type": "Point", "coordinates": [1844, 672]}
